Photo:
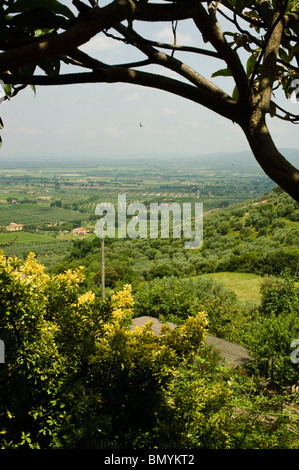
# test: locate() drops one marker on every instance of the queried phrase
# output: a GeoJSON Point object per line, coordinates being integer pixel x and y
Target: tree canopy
{"type": "Point", "coordinates": [255, 43]}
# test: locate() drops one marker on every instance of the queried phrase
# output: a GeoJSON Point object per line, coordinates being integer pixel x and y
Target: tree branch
{"type": "Point", "coordinates": [210, 29]}
{"type": "Point", "coordinates": [173, 47]}
{"type": "Point", "coordinates": [169, 62]}
{"type": "Point", "coordinates": [87, 25]}
{"type": "Point", "coordinates": [84, 29]}
{"type": "Point", "coordinates": [270, 53]}
{"type": "Point", "coordinates": [113, 74]}
{"type": "Point", "coordinates": [288, 115]}
{"type": "Point", "coordinates": [291, 19]}
{"type": "Point", "coordinates": [248, 19]}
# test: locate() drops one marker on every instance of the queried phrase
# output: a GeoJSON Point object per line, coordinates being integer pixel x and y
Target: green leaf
{"type": "Point", "coordinates": [39, 18]}
{"type": "Point", "coordinates": [50, 66]}
{"type": "Point", "coordinates": [238, 5]}
{"type": "Point", "coordinates": [42, 31]}
{"type": "Point", "coordinates": [33, 88]}
{"type": "Point", "coordinates": [293, 6]}
{"type": "Point", "coordinates": [222, 73]}
{"type": "Point", "coordinates": [235, 94]}
{"type": "Point", "coordinates": [272, 109]}
{"type": "Point", "coordinates": [295, 28]}
{"type": "Point", "coordinates": [21, 6]}
{"type": "Point", "coordinates": [284, 55]}
{"type": "Point", "coordinates": [250, 65]}
{"type": "Point", "coordinates": [26, 70]}
{"type": "Point", "coordinates": [294, 51]}
{"type": "Point", "coordinates": [8, 90]}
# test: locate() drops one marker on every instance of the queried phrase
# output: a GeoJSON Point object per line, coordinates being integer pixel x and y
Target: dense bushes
{"type": "Point", "coordinates": [260, 238]}
{"type": "Point", "coordinates": [275, 326]}
{"type": "Point", "coordinates": [76, 376]}
{"type": "Point", "coordinates": [267, 330]}
{"type": "Point", "coordinates": [273, 262]}
{"type": "Point", "coordinates": [174, 299]}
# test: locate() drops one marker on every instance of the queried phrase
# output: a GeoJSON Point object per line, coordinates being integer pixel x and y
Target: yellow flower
{"type": "Point", "coordinates": [31, 266]}
{"type": "Point", "coordinates": [87, 297]}
{"type": "Point", "coordinates": [123, 298]}
{"type": "Point", "coordinates": [71, 278]}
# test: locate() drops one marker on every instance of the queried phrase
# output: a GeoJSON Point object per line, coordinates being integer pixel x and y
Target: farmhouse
{"type": "Point", "coordinates": [80, 231]}
{"type": "Point", "coordinates": [12, 227]}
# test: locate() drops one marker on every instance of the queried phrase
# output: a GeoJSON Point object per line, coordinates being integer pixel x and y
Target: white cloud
{"type": "Point", "coordinates": [196, 124]}
{"type": "Point", "coordinates": [168, 111]}
{"type": "Point", "coordinates": [166, 35]}
{"type": "Point", "coordinates": [99, 43]}
{"type": "Point", "coordinates": [114, 132]}
{"type": "Point", "coordinates": [29, 131]}
{"type": "Point", "coordinates": [62, 131]}
{"type": "Point", "coordinates": [89, 133]}
{"type": "Point", "coordinates": [132, 97]}
{"type": "Point", "coordinates": [279, 129]}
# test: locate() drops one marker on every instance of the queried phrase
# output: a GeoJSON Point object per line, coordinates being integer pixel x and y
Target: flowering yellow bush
{"type": "Point", "coordinates": [123, 299]}
{"type": "Point", "coordinates": [78, 375]}
{"type": "Point", "coordinates": [86, 298]}
{"type": "Point", "coordinates": [71, 279]}
{"type": "Point", "coordinates": [31, 267]}
{"type": "Point", "coordinates": [122, 306]}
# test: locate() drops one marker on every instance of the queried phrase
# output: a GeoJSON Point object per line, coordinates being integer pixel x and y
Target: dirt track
{"type": "Point", "coordinates": [233, 354]}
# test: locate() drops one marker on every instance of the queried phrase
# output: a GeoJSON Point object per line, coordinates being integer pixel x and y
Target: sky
{"type": "Point", "coordinates": [103, 120]}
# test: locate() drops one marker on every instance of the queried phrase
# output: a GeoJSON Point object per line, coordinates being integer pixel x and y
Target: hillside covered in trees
{"type": "Point", "coordinates": [258, 236]}
{"type": "Point", "coordinates": [77, 376]}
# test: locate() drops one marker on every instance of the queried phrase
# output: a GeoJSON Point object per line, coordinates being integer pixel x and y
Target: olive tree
{"type": "Point", "coordinates": [259, 51]}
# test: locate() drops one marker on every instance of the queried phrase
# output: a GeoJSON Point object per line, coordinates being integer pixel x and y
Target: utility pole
{"type": "Point", "coordinates": [103, 263]}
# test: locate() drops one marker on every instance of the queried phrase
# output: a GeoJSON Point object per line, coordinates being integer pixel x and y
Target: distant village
{"type": "Point", "coordinates": [14, 227]}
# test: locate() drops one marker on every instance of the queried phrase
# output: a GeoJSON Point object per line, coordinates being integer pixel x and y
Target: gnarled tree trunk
{"type": "Point", "coordinates": [274, 164]}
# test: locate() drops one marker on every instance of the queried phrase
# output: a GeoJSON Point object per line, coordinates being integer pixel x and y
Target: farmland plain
{"type": "Point", "coordinates": [52, 198]}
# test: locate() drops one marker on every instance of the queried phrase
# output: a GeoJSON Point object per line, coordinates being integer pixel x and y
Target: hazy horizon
{"type": "Point", "coordinates": [289, 151]}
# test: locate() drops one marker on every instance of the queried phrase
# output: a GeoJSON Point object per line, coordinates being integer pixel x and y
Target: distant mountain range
{"type": "Point", "coordinates": [243, 161]}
